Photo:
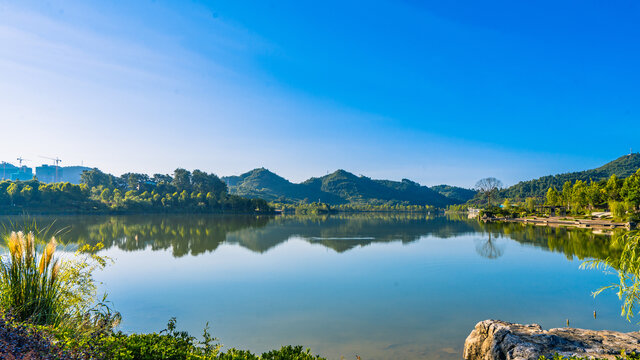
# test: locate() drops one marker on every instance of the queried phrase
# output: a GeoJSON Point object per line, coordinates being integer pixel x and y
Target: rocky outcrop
{"type": "Point", "coordinates": [500, 340]}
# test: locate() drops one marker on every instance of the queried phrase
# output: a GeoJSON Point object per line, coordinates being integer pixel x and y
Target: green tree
{"type": "Point", "coordinates": [631, 190]}
{"type": "Point", "coordinates": [105, 195]}
{"type": "Point", "coordinates": [135, 181]}
{"type": "Point", "coordinates": [530, 204]}
{"type": "Point", "coordinates": [613, 188]}
{"type": "Point", "coordinates": [596, 196]}
{"type": "Point", "coordinates": [553, 198]}
{"type": "Point", "coordinates": [13, 191]}
{"type": "Point", "coordinates": [567, 190]}
{"type": "Point", "coordinates": [506, 204]}
{"type": "Point", "coordinates": [579, 199]}
{"type": "Point", "coordinates": [182, 179]}
{"type": "Point", "coordinates": [27, 193]}
{"type": "Point", "coordinates": [618, 210]}
{"type": "Point", "coordinates": [95, 177]}
{"type": "Point", "coordinates": [161, 178]}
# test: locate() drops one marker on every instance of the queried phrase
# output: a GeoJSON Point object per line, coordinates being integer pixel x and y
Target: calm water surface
{"type": "Point", "coordinates": [380, 286]}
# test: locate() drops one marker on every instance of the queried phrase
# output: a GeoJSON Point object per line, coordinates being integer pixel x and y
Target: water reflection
{"type": "Point", "coordinates": [195, 235]}
{"type": "Point", "coordinates": [489, 248]}
{"type": "Point", "coordinates": [384, 286]}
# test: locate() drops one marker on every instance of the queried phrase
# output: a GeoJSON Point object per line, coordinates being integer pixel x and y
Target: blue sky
{"type": "Point", "coordinates": [437, 92]}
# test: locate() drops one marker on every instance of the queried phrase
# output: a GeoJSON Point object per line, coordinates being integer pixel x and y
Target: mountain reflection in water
{"type": "Point", "coordinates": [195, 235]}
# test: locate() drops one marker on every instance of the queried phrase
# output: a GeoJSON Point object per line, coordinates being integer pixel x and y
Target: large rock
{"type": "Point", "coordinates": [500, 340]}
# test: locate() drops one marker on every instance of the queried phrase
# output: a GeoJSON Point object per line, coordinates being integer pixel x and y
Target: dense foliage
{"type": "Point", "coordinates": [456, 193]}
{"type": "Point", "coordinates": [622, 197]}
{"type": "Point", "coordinates": [23, 340]}
{"type": "Point", "coordinates": [185, 191]}
{"type": "Point", "coordinates": [337, 188]}
{"type": "Point", "coordinates": [622, 167]}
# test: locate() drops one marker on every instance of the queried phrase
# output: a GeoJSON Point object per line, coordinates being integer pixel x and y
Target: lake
{"type": "Point", "coordinates": [382, 286]}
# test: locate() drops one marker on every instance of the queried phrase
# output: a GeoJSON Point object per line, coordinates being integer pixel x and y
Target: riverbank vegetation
{"type": "Point", "coordinates": [619, 197]}
{"type": "Point", "coordinates": [622, 167]}
{"type": "Point", "coordinates": [48, 310]}
{"type": "Point", "coordinates": [183, 192]}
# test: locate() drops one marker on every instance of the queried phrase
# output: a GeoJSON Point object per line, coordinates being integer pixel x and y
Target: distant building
{"type": "Point", "coordinates": [72, 174]}
{"type": "Point", "coordinates": [14, 173]}
{"type": "Point", "coordinates": [22, 173]}
{"type": "Point", "coordinates": [49, 174]}
{"type": "Point", "coordinates": [45, 173]}
{"type": "Point", "coordinates": [6, 170]}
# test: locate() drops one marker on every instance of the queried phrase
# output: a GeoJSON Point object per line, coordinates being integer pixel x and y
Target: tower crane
{"type": "Point", "coordinates": [56, 160]}
{"type": "Point", "coordinates": [20, 160]}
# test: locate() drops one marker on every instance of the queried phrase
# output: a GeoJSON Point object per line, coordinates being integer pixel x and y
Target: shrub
{"type": "Point", "coordinates": [169, 344]}
{"type": "Point", "coordinates": [285, 353]}
{"type": "Point", "coordinates": [618, 210]}
{"type": "Point", "coordinates": [290, 352]}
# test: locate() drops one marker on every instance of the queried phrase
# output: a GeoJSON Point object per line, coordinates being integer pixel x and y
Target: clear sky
{"type": "Point", "coordinates": [437, 92]}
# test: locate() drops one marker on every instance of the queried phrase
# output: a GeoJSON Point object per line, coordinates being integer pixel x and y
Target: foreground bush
{"type": "Point", "coordinates": [26, 341]}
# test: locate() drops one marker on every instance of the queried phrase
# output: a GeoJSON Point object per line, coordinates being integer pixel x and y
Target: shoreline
{"type": "Point", "coordinates": [557, 221]}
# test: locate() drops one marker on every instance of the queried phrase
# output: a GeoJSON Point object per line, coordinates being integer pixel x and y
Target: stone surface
{"type": "Point", "coordinates": [500, 340]}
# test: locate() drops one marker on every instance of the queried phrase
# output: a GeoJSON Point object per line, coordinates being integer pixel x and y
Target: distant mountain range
{"type": "Point", "coordinates": [622, 167]}
{"type": "Point", "coordinates": [342, 187]}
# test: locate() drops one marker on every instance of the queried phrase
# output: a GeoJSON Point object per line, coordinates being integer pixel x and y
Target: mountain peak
{"type": "Point", "coordinates": [623, 166]}
{"type": "Point", "coordinates": [341, 173]}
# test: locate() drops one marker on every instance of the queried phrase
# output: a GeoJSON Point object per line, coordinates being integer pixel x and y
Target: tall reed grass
{"type": "Point", "coordinates": [29, 281]}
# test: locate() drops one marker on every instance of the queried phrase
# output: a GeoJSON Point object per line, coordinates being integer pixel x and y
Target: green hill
{"type": "Point", "coordinates": [264, 184]}
{"type": "Point", "coordinates": [622, 167]}
{"type": "Point", "coordinates": [459, 194]}
{"type": "Point", "coordinates": [339, 187]}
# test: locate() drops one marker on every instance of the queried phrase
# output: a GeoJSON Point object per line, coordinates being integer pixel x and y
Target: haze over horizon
{"type": "Point", "coordinates": [434, 92]}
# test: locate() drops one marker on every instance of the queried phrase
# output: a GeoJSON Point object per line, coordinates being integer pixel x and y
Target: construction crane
{"type": "Point", "coordinates": [20, 160]}
{"type": "Point", "coordinates": [56, 160]}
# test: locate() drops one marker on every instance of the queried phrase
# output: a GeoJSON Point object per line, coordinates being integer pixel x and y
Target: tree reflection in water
{"type": "Point", "coordinates": [489, 248]}
{"type": "Point", "coordinates": [191, 235]}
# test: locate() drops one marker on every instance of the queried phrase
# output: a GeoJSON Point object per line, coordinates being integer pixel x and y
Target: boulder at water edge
{"type": "Point", "coordinates": [500, 340]}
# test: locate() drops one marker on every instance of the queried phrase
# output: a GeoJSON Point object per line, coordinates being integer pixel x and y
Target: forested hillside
{"type": "Point", "coordinates": [622, 167]}
{"type": "Point", "coordinates": [339, 187]}
{"type": "Point", "coordinates": [459, 194]}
